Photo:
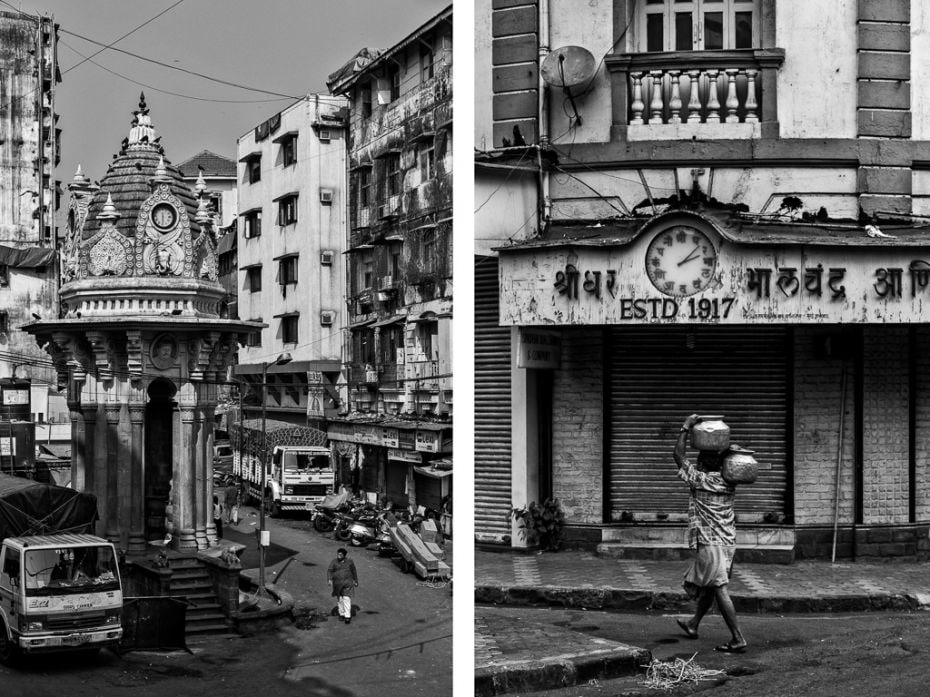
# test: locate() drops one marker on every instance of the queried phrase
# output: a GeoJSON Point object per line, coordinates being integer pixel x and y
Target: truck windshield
{"type": "Point", "coordinates": [80, 569]}
{"type": "Point", "coordinates": [294, 461]}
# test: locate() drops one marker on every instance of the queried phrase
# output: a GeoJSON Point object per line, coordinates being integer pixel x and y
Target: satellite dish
{"type": "Point", "coordinates": [568, 66]}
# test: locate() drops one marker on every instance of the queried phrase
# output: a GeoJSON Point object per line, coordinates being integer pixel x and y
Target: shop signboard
{"type": "Point", "coordinates": [686, 272]}
{"type": "Point", "coordinates": [405, 456]}
{"type": "Point", "coordinates": [315, 394]}
{"type": "Point", "coordinates": [389, 438]}
{"type": "Point", "coordinates": [539, 349]}
{"type": "Point", "coordinates": [427, 441]}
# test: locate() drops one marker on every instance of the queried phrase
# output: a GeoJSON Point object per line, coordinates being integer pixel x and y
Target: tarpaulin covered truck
{"type": "Point", "coordinates": [299, 469]}
{"type": "Point", "coordinates": [60, 586]}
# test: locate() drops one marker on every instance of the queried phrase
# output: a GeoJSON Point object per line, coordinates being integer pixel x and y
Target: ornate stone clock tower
{"type": "Point", "coordinates": [142, 347]}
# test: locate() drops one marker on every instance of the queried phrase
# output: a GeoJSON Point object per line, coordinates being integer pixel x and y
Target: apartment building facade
{"type": "Point", "coordinates": [732, 206]}
{"type": "Point", "coordinates": [290, 240]}
{"type": "Point", "coordinates": [399, 259]}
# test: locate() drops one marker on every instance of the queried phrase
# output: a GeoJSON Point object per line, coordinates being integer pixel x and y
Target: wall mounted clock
{"type": "Point", "coordinates": [681, 261]}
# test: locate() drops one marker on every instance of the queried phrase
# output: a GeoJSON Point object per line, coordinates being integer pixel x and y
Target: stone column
{"type": "Point", "coordinates": [203, 507]}
{"type": "Point", "coordinates": [207, 470]}
{"type": "Point", "coordinates": [183, 481]}
{"type": "Point", "coordinates": [110, 483]}
{"type": "Point", "coordinates": [78, 464]}
{"type": "Point", "coordinates": [137, 478]}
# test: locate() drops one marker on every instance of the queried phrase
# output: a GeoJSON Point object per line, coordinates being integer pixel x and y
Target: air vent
{"type": "Point", "coordinates": [327, 257]}
{"type": "Point", "coordinates": [326, 196]}
{"type": "Point", "coordinates": [325, 135]}
{"type": "Point", "coordinates": [327, 317]}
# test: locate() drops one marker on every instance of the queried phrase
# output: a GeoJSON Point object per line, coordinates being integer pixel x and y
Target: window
{"type": "Point", "coordinates": [393, 179]}
{"type": "Point", "coordinates": [4, 275]}
{"type": "Point", "coordinates": [694, 25]}
{"type": "Point", "coordinates": [394, 79]}
{"type": "Point", "coordinates": [364, 188]}
{"type": "Point", "coordinates": [254, 168]}
{"type": "Point", "coordinates": [289, 326]}
{"type": "Point", "coordinates": [255, 338]}
{"type": "Point", "coordinates": [429, 243]}
{"type": "Point", "coordinates": [4, 321]}
{"type": "Point", "coordinates": [253, 224]}
{"type": "Point", "coordinates": [364, 346]}
{"type": "Point", "coordinates": [287, 210]}
{"type": "Point", "coordinates": [427, 63]}
{"type": "Point", "coordinates": [395, 266]}
{"type": "Point", "coordinates": [287, 271]}
{"type": "Point", "coordinates": [427, 161]}
{"type": "Point", "coordinates": [365, 100]}
{"type": "Point", "coordinates": [367, 273]}
{"type": "Point", "coordinates": [253, 279]}
{"type": "Point", "coordinates": [429, 335]}
{"type": "Point", "coordinates": [216, 204]}
{"type": "Point", "coordinates": [289, 151]}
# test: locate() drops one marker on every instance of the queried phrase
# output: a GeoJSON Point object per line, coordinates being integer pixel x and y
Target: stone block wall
{"type": "Point", "coordinates": [578, 426]}
{"type": "Point", "coordinates": [818, 388]}
{"type": "Point", "coordinates": [922, 424]}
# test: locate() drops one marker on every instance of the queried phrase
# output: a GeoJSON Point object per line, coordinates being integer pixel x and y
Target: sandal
{"type": "Point", "coordinates": [731, 648]}
{"type": "Point", "coordinates": [690, 633]}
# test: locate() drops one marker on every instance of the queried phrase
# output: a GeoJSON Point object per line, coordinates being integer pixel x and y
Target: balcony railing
{"type": "Point", "coordinates": [688, 90]}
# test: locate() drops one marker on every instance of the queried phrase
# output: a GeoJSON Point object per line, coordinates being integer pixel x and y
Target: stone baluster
{"type": "Point", "coordinates": [637, 105]}
{"type": "Point", "coordinates": [694, 102]}
{"type": "Point", "coordinates": [656, 105]}
{"type": "Point", "coordinates": [713, 103]}
{"type": "Point", "coordinates": [732, 102]}
{"type": "Point", "coordinates": [751, 103]}
{"type": "Point", "coordinates": [674, 102]}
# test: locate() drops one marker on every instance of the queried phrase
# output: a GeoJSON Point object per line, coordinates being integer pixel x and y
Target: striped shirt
{"type": "Point", "coordinates": [710, 509]}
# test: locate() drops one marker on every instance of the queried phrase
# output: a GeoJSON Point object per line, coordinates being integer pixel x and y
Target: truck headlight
{"type": "Point", "coordinates": [289, 491]}
{"type": "Point", "coordinates": [112, 619]}
{"type": "Point", "coordinates": [35, 626]}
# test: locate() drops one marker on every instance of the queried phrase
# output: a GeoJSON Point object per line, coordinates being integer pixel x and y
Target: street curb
{"type": "Point", "coordinates": [559, 671]}
{"type": "Point", "coordinates": [628, 599]}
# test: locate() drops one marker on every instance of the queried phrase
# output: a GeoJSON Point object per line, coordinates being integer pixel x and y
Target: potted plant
{"type": "Point", "coordinates": [542, 523]}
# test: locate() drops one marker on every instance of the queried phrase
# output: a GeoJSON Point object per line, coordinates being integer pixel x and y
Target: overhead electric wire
{"type": "Point", "coordinates": [113, 43]}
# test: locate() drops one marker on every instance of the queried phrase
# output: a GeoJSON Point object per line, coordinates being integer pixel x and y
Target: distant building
{"type": "Point", "coordinates": [290, 243]}
{"type": "Point", "coordinates": [29, 152]}
{"type": "Point", "coordinates": [399, 302]}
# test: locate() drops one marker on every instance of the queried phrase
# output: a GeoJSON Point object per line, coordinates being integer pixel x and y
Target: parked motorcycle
{"type": "Point", "coordinates": [369, 529]}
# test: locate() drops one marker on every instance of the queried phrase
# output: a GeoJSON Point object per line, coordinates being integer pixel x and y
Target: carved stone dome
{"type": "Point", "coordinates": [146, 245]}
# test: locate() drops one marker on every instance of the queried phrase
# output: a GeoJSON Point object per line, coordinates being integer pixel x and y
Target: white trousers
{"type": "Point", "coordinates": [345, 606]}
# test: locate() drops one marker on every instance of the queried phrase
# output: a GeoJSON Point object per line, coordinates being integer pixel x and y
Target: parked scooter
{"type": "Point", "coordinates": [369, 529]}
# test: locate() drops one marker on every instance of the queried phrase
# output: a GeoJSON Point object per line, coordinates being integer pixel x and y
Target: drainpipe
{"type": "Point", "coordinates": [545, 204]}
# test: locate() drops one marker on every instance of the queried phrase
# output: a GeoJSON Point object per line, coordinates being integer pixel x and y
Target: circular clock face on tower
{"type": "Point", "coordinates": [164, 216]}
{"type": "Point", "coordinates": [680, 261]}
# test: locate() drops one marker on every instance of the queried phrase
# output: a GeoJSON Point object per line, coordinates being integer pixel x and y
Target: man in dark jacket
{"type": "Point", "coordinates": [343, 580]}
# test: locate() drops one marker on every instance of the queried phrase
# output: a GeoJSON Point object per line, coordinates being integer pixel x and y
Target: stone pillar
{"type": "Point", "coordinates": [202, 507]}
{"type": "Point", "coordinates": [207, 470]}
{"type": "Point", "coordinates": [110, 483]}
{"type": "Point", "coordinates": [137, 478]}
{"type": "Point", "coordinates": [90, 451]}
{"type": "Point", "coordinates": [525, 465]}
{"type": "Point", "coordinates": [78, 455]}
{"type": "Point", "coordinates": [183, 481]}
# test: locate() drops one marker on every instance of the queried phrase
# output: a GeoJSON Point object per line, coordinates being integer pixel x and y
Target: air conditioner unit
{"type": "Point", "coordinates": [327, 257]}
{"type": "Point", "coordinates": [326, 196]}
{"type": "Point", "coordinates": [327, 317]}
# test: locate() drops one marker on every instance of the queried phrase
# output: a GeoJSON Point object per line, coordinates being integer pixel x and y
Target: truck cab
{"type": "Point", "coordinates": [300, 477]}
{"type": "Point", "coordinates": [58, 592]}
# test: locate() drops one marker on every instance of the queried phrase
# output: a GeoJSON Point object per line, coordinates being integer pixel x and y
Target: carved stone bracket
{"type": "Point", "coordinates": [134, 354]}
{"type": "Point", "coordinates": [102, 351]}
{"type": "Point", "coordinates": [200, 351]}
{"type": "Point", "coordinates": [77, 359]}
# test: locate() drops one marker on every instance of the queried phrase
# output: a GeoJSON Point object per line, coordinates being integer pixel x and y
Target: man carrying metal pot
{"type": "Point", "coordinates": [712, 536]}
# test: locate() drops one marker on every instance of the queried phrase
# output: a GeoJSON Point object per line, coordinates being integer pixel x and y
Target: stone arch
{"type": "Point", "coordinates": [160, 415]}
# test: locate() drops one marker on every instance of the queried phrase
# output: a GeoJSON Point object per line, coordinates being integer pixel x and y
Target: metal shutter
{"type": "Point", "coordinates": [492, 408]}
{"type": "Point", "coordinates": [656, 381]}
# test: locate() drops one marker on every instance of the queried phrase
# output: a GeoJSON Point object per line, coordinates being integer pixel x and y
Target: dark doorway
{"type": "Point", "coordinates": [159, 456]}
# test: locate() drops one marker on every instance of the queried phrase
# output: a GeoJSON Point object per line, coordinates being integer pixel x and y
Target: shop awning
{"type": "Point", "coordinates": [255, 154]}
{"type": "Point", "coordinates": [396, 319]}
{"type": "Point", "coordinates": [292, 367]}
{"type": "Point", "coordinates": [26, 257]}
{"type": "Point", "coordinates": [287, 135]}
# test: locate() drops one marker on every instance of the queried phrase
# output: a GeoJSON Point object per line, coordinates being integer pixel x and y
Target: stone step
{"type": "Point", "coordinates": [201, 629]}
{"type": "Point", "coordinates": [673, 551]}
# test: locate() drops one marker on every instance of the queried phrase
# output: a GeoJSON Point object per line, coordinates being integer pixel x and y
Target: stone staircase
{"type": "Point", "coordinates": [758, 544]}
{"type": "Point", "coordinates": [190, 581]}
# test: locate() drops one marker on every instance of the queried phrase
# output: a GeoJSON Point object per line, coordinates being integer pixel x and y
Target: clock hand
{"type": "Point", "coordinates": [691, 256]}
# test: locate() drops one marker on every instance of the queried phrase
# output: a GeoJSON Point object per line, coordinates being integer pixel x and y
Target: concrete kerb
{"type": "Point", "coordinates": [559, 671]}
{"type": "Point", "coordinates": [622, 599]}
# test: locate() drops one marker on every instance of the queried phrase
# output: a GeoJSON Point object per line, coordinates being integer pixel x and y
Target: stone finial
{"type": "Point", "coordinates": [109, 211]}
{"type": "Point", "coordinates": [142, 132]}
{"type": "Point", "coordinates": [203, 211]}
{"type": "Point", "coordinates": [161, 171]}
{"type": "Point", "coordinates": [201, 184]}
{"type": "Point", "coordinates": [79, 177]}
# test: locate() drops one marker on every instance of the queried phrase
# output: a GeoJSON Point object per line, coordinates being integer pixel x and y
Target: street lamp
{"type": "Point", "coordinates": [283, 359]}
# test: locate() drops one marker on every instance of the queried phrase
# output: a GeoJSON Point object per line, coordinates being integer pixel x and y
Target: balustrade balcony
{"type": "Point", "coordinates": [716, 94]}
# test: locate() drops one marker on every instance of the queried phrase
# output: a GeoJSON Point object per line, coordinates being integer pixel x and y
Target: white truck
{"type": "Point", "coordinates": [60, 586]}
{"type": "Point", "coordinates": [58, 593]}
{"type": "Point", "coordinates": [299, 470]}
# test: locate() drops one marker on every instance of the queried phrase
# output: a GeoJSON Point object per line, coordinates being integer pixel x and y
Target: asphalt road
{"type": "Point", "coordinates": [837, 655]}
{"type": "Point", "coordinates": [398, 645]}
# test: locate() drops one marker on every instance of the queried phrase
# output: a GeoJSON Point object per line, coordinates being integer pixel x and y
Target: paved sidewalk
{"type": "Point", "coordinates": [529, 657]}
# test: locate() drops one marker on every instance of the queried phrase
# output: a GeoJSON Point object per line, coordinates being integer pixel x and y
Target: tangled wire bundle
{"type": "Point", "coordinates": [664, 675]}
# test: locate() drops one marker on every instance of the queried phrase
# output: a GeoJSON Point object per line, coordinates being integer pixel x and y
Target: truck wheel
{"type": "Point", "coordinates": [9, 652]}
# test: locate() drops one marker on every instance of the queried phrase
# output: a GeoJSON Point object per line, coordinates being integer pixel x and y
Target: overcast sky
{"type": "Point", "coordinates": [288, 47]}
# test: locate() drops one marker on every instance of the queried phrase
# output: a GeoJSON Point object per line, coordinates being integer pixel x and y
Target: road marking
{"type": "Point", "coordinates": [526, 571]}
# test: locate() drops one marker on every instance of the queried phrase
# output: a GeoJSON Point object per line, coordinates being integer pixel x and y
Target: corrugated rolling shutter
{"type": "Point", "coordinates": [492, 408]}
{"type": "Point", "coordinates": [656, 380]}
{"type": "Point", "coordinates": [429, 491]}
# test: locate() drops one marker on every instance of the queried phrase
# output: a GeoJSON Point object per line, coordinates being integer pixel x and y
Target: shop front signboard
{"type": "Point", "coordinates": [686, 273]}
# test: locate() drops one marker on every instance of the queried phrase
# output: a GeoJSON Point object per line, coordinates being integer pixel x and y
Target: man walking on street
{"type": "Point", "coordinates": [343, 580]}
{"type": "Point", "coordinates": [712, 536]}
